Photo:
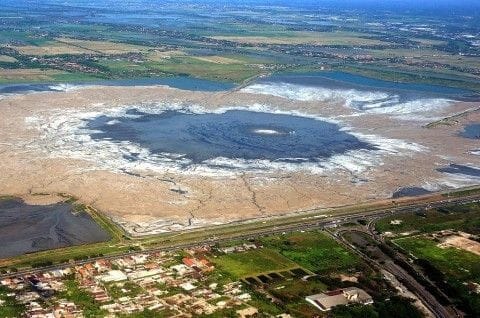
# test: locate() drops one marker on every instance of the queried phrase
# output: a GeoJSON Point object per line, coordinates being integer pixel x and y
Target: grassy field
{"type": "Point", "coordinates": [291, 42]}
{"type": "Point", "coordinates": [451, 268]}
{"type": "Point", "coordinates": [310, 250]}
{"type": "Point", "coordinates": [465, 192]}
{"type": "Point", "coordinates": [218, 59]}
{"type": "Point", "coordinates": [50, 48]}
{"type": "Point", "coordinates": [205, 68]}
{"type": "Point", "coordinates": [157, 59]}
{"type": "Point", "coordinates": [226, 232]}
{"type": "Point", "coordinates": [315, 251]}
{"type": "Point", "coordinates": [40, 75]}
{"type": "Point", "coordinates": [293, 289]}
{"type": "Point", "coordinates": [292, 293]}
{"type": "Point", "coordinates": [253, 263]}
{"type": "Point", "coordinates": [453, 262]}
{"type": "Point", "coordinates": [465, 217]}
{"type": "Point", "coordinates": [104, 47]}
{"type": "Point", "coordinates": [7, 36]}
{"type": "Point", "coordinates": [61, 46]}
{"type": "Point", "coordinates": [24, 75]}
{"type": "Point", "coordinates": [63, 255]}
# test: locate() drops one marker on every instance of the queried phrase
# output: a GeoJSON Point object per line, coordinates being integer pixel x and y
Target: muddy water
{"type": "Point", "coordinates": [30, 228]}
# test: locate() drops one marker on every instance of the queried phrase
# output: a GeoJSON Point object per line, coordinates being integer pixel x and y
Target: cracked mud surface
{"type": "Point", "coordinates": [150, 201]}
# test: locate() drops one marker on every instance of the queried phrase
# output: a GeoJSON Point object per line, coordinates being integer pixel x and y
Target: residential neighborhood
{"type": "Point", "coordinates": [165, 283]}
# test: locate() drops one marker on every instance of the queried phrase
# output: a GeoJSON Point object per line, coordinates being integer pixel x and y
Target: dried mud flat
{"type": "Point", "coordinates": [42, 151]}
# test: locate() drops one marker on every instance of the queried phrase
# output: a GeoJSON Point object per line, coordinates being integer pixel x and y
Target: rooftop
{"type": "Point", "coordinates": [326, 301]}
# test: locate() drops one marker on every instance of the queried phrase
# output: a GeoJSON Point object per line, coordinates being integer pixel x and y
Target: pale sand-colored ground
{"type": "Point", "coordinates": [462, 243]}
{"type": "Point", "coordinates": [147, 203]}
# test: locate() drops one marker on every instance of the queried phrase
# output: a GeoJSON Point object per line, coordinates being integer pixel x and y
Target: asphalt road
{"type": "Point", "coordinates": [307, 224]}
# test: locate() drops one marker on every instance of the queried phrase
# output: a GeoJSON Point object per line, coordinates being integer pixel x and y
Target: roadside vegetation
{"type": "Point", "coordinates": [455, 270]}
{"type": "Point", "coordinates": [314, 251]}
{"type": "Point", "coordinates": [253, 263]}
{"type": "Point", "coordinates": [455, 263]}
{"type": "Point", "coordinates": [395, 307]}
{"type": "Point", "coordinates": [285, 269]}
{"type": "Point", "coordinates": [461, 217]}
{"type": "Point", "coordinates": [120, 242]}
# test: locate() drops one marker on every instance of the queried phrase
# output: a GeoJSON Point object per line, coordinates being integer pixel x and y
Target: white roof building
{"type": "Point", "coordinates": [326, 301]}
{"type": "Point", "coordinates": [188, 286]}
{"type": "Point", "coordinates": [113, 276]}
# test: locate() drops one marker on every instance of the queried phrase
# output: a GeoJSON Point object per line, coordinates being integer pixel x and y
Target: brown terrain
{"type": "Point", "coordinates": [148, 201]}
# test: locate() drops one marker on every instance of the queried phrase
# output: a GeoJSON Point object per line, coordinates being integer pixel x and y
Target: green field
{"type": "Point", "coordinates": [33, 75]}
{"type": "Point", "coordinates": [462, 217]}
{"type": "Point", "coordinates": [315, 251]}
{"type": "Point", "coordinates": [184, 66]}
{"type": "Point", "coordinates": [450, 268]}
{"type": "Point", "coordinates": [122, 243]}
{"type": "Point", "coordinates": [318, 252]}
{"type": "Point", "coordinates": [292, 290]}
{"type": "Point", "coordinates": [62, 44]}
{"type": "Point", "coordinates": [253, 263]}
{"type": "Point", "coordinates": [454, 263]}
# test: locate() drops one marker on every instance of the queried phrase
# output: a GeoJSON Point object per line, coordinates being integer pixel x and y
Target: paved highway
{"type": "Point", "coordinates": [307, 224]}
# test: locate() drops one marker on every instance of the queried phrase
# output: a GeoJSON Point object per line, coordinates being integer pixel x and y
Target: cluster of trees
{"type": "Point", "coordinates": [464, 299]}
{"type": "Point", "coordinates": [395, 307]}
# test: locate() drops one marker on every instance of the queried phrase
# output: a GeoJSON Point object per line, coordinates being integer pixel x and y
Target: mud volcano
{"type": "Point", "coordinates": [234, 134]}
